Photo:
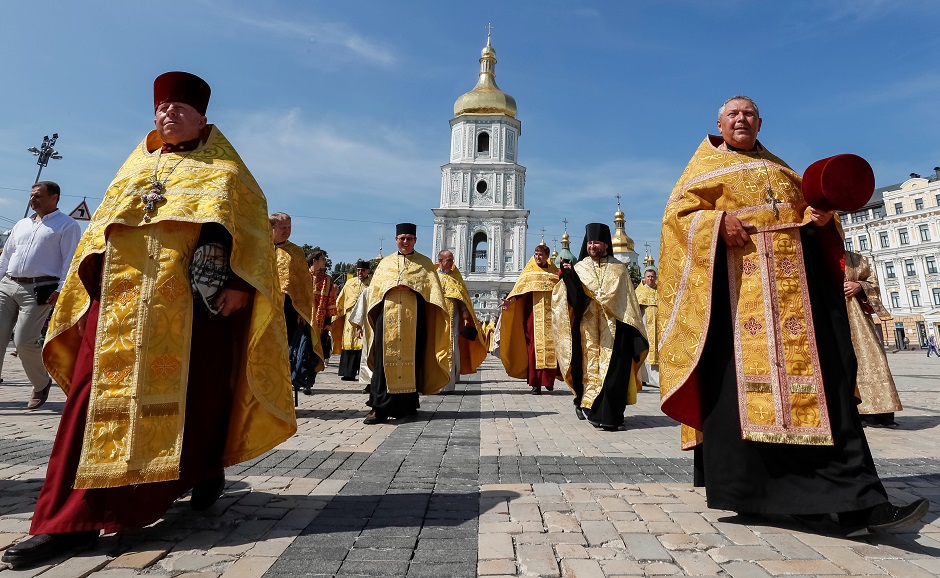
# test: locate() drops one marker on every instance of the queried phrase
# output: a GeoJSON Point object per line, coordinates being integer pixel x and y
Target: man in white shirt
{"type": "Point", "coordinates": [33, 265]}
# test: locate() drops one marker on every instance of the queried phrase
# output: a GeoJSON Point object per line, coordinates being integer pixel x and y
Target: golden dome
{"type": "Point", "coordinates": [622, 242]}
{"type": "Point", "coordinates": [486, 97]}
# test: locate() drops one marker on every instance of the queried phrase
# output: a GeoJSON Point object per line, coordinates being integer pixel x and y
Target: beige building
{"type": "Point", "coordinates": [899, 231]}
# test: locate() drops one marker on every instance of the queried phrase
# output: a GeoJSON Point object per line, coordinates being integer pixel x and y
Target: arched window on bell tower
{"type": "Point", "coordinates": [478, 264]}
{"type": "Point", "coordinates": [483, 143]}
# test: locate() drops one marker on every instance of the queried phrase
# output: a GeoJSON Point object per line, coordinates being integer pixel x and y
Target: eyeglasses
{"type": "Point", "coordinates": [406, 238]}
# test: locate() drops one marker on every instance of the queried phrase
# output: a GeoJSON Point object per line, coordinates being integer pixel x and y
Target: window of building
{"type": "Point", "coordinates": [863, 243]}
{"type": "Point", "coordinates": [859, 216]}
{"type": "Point", "coordinates": [889, 270]}
{"type": "Point", "coordinates": [878, 212]}
{"type": "Point", "coordinates": [918, 204]}
{"type": "Point", "coordinates": [848, 245]}
{"type": "Point", "coordinates": [883, 237]}
{"type": "Point", "coordinates": [924, 232]}
{"type": "Point", "coordinates": [936, 295]}
{"type": "Point", "coordinates": [898, 208]}
{"type": "Point", "coordinates": [895, 299]}
{"type": "Point", "coordinates": [909, 268]}
{"type": "Point", "coordinates": [902, 235]}
{"type": "Point", "coordinates": [483, 142]}
{"type": "Point", "coordinates": [938, 200]}
{"type": "Point", "coordinates": [931, 263]}
{"type": "Point", "coordinates": [844, 217]}
{"type": "Point", "coordinates": [915, 298]}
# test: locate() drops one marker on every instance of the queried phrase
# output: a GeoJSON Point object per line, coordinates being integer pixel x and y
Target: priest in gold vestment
{"type": "Point", "coordinates": [599, 337]}
{"type": "Point", "coordinates": [468, 344]}
{"type": "Point", "coordinates": [409, 331]}
{"type": "Point", "coordinates": [875, 383]}
{"type": "Point", "coordinates": [756, 360]}
{"type": "Point", "coordinates": [528, 348]}
{"type": "Point", "coordinates": [294, 281]}
{"type": "Point", "coordinates": [171, 370]}
{"type": "Point", "coordinates": [346, 339]}
{"type": "Point", "coordinates": [646, 297]}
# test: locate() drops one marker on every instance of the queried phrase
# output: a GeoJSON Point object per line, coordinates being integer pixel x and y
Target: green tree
{"type": "Point", "coordinates": [634, 274]}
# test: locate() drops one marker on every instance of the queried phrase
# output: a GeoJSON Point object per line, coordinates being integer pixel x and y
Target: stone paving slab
{"type": "Point", "coordinates": [487, 481]}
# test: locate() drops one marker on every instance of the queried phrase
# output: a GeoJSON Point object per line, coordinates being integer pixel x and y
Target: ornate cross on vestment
{"type": "Point", "coordinates": [770, 198]}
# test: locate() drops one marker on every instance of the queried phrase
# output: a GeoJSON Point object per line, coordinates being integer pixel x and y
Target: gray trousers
{"type": "Point", "coordinates": [19, 310]}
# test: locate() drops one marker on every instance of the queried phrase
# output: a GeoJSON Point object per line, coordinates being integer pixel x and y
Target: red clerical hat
{"type": "Point", "coordinates": [181, 87]}
{"type": "Point", "coordinates": [843, 182]}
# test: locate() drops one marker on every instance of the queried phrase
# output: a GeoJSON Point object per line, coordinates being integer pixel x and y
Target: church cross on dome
{"type": "Point", "coordinates": [489, 31]}
{"type": "Point", "coordinates": [618, 201]}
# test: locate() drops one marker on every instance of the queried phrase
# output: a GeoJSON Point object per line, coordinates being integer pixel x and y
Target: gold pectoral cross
{"type": "Point", "coordinates": [770, 198]}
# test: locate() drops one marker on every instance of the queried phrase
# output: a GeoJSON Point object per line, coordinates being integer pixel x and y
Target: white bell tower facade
{"type": "Point", "coordinates": [482, 217]}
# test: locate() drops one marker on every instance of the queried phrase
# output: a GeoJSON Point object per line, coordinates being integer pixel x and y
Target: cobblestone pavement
{"type": "Point", "coordinates": [487, 481]}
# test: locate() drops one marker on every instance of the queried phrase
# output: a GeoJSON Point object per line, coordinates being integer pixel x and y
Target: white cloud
{"type": "Point", "coordinates": [332, 35]}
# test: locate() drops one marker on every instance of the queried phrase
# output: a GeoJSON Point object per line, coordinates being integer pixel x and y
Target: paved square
{"type": "Point", "coordinates": [486, 481]}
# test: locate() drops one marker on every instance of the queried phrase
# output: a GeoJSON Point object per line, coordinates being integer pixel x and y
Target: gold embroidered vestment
{"type": "Point", "coordinates": [537, 282]}
{"type": "Point", "coordinates": [455, 289]}
{"type": "Point", "coordinates": [780, 389]}
{"type": "Point", "coordinates": [344, 333]}
{"type": "Point", "coordinates": [611, 299]}
{"type": "Point", "coordinates": [398, 282]}
{"type": "Point", "coordinates": [294, 278]}
{"type": "Point", "coordinates": [137, 403]}
{"type": "Point", "coordinates": [646, 297]}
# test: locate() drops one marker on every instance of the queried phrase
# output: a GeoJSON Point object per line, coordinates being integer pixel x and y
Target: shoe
{"type": "Point", "coordinates": [579, 412]}
{"type": "Point", "coordinates": [41, 547]}
{"type": "Point", "coordinates": [889, 517]}
{"type": "Point", "coordinates": [549, 388]}
{"type": "Point", "coordinates": [307, 391]}
{"type": "Point", "coordinates": [39, 397]}
{"type": "Point", "coordinates": [536, 390]}
{"type": "Point", "coordinates": [207, 493]}
{"type": "Point", "coordinates": [347, 378]}
{"type": "Point", "coordinates": [890, 424]}
{"type": "Point", "coordinates": [374, 418]}
{"type": "Point", "coordinates": [366, 388]}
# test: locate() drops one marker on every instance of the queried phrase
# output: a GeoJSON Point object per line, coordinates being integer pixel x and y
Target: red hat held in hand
{"type": "Point", "coordinates": [843, 182]}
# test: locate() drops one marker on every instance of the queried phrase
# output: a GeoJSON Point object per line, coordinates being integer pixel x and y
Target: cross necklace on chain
{"type": "Point", "coordinates": [769, 197]}
{"type": "Point", "coordinates": [157, 192]}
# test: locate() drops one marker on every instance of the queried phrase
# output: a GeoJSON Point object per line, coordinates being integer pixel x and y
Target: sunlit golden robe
{"type": "Point", "coordinates": [780, 386]}
{"type": "Point", "coordinates": [874, 381]}
{"type": "Point", "coordinates": [646, 297]}
{"type": "Point", "coordinates": [489, 328]}
{"type": "Point", "coordinates": [612, 299]}
{"type": "Point", "coordinates": [345, 335]}
{"type": "Point", "coordinates": [294, 278]}
{"type": "Point", "coordinates": [472, 353]}
{"type": "Point", "coordinates": [540, 283]}
{"type": "Point", "coordinates": [137, 403]}
{"type": "Point", "coordinates": [418, 274]}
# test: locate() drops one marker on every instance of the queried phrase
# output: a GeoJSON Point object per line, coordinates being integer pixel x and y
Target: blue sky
{"type": "Point", "coordinates": [341, 109]}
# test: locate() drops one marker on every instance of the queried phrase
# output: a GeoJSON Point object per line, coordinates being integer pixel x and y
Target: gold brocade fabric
{"type": "Point", "coordinates": [294, 278]}
{"type": "Point", "coordinates": [455, 289]}
{"type": "Point", "coordinates": [646, 297]}
{"type": "Point", "coordinates": [418, 274]}
{"type": "Point", "coordinates": [539, 282]}
{"type": "Point", "coordinates": [348, 296]}
{"type": "Point", "coordinates": [137, 403]}
{"type": "Point", "coordinates": [324, 298]}
{"type": "Point", "coordinates": [608, 286]}
{"type": "Point", "coordinates": [780, 389]}
{"type": "Point", "coordinates": [874, 381]}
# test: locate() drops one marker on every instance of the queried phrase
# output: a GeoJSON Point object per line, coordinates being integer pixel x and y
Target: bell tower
{"type": "Point", "coordinates": [482, 217]}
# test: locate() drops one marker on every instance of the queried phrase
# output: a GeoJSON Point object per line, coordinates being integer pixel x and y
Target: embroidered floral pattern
{"type": "Point", "coordinates": [787, 267]}
{"type": "Point", "coordinates": [748, 267]}
{"type": "Point", "coordinates": [125, 291]}
{"type": "Point", "coordinates": [164, 366]}
{"type": "Point", "coordinates": [172, 288]}
{"type": "Point", "coordinates": [793, 325]}
{"type": "Point", "coordinates": [753, 326]}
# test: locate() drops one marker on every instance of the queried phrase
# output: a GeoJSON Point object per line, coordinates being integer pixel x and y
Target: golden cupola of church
{"type": "Point", "coordinates": [486, 97]}
{"type": "Point", "coordinates": [623, 244]}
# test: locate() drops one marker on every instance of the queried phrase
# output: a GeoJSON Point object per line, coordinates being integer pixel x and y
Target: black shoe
{"type": "Point", "coordinates": [366, 388]}
{"type": "Point", "coordinates": [307, 391]}
{"type": "Point", "coordinates": [347, 378]}
{"type": "Point", "coordinates": [207, 493]}
{"type": "Point", "coordinates": [39, 397]}
{"type": "Point", "coordinates": [374, 418]}
{"type": "Point", "coordinates": [579, 412]}
{"type": "Point", "coordinates": [44, 546]}
{"type": "Point", "coordinates": [536, 390]}
{"type": "Point", "coordinates": [550, 388]}
{"type": "Point", "coordinates": [889, 517]}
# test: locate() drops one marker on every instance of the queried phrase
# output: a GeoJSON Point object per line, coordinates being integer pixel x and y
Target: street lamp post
{"type": "Point", "coordinates": [45, 152]}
